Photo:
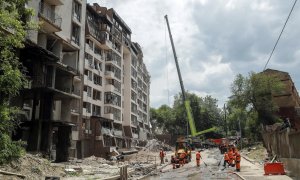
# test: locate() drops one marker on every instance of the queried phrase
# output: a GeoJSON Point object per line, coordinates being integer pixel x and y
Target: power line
{"type": "Point", "coordinates": [280, 34]}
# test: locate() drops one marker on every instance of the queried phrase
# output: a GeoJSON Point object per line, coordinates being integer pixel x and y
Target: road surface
{"type": "Point", "coordinates": [189, 171]}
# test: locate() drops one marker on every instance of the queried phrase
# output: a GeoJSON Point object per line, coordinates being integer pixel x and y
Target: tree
{"type": "Point", "coordinates": [204, 110]}
{"type": "Point", "coordinates": [251, 102]}
{"type": "Point", "coordinates": [14, 21]}
{"type": "Point", "coordinates": [162, 119]}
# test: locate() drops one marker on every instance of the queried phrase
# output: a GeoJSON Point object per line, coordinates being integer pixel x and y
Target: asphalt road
{"type": "Point", "coordinates": [190, 171]}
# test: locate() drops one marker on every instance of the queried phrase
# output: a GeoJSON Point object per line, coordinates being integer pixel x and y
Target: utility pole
{"type": "Point", "coordinates": [178, 70]}
{"type": "Point", "coordinates": [240, 132]}
{"type": "Point", "coordinates": [225, 120]}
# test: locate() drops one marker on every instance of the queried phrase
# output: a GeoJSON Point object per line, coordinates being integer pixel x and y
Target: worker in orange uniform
{"type": "Point", "coordinates": [182, 158]}
{"type": "Point", "coordinates": [198, 156]}
{"type": "Point", "coordinates": [237, 161]}
{"type": "Point", "coordinates": [230, 155]}
{"type": "Point", "coordinates": [226, 159]}
{"type": "Point", "coordinates": [161, 155]}
{"type": "Point", "coordinates": [233, 156]}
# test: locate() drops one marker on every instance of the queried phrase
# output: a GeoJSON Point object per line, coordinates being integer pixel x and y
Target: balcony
{"type": "Point", "coordinates": [109, 116]}
{"type": "Point", "coordinates": [109, 87]}
{"type": "Point", "coordinates": [118, 133]}
{"type": "Point", "coordinates": [75, 135]}
{"type": "Point", "coordinates": [98, 114]}
{"type": "Point", "coordinates": [54, 2]}
{"type": "Point", "coordinates": [109, 74]}
{"type": "Point", "coordinates": [88, 49]}
{"type": "Point", "coordinates": [51, 21]}
{"type": "Point", "coordinates": [105, 41]}
{"type": "Point", "coordinates": [106, 131]}
{"type": "Point", "coordinates": [75, 107]}
{"type": "Point", "coordinates": [85, 112]}
{"type": "Point", "coordinates": [135, 136]}
{"type": "Point", "coordinates": [76, 92]}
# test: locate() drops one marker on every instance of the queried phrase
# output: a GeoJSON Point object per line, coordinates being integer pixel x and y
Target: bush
{"type": "Point", "coordinates": [10, 150]}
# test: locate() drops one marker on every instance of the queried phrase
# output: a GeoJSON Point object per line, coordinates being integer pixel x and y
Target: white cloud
{"type": "Point", "coordinates": [214, 41]}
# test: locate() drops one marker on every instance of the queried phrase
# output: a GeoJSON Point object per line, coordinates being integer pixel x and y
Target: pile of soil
{"type": "Point", "coordinates": [257, 153]}
{"type": "Point", "coordinates": [33, 167]}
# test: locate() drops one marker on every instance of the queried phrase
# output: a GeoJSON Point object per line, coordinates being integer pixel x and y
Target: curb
{"type": "Point", "coordinates": [248, 159]}
{"type": "Point", "coordinates": [238, 175]}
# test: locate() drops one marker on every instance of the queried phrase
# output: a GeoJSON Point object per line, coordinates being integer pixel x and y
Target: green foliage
{"type": "Point", "coordinates": [251, 103]}
{"type": "Point", "coordinates": [14, 22]}
{"type": "Point", "coordinates": [8, 118]}
{"type": "Point", "coordinates": [173, 120]}
{"type": "Point", "coordinates": [10, 150]}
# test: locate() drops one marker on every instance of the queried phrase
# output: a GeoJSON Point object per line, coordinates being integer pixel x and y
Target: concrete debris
{"type": "Point", "coordinates": [155, 145]}
{"type": "Point", "coordinates": [139, 163]}
{"type": "Point", "coordinates": [34, 167]}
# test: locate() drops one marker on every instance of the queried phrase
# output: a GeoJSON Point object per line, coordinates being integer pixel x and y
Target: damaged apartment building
{"type": "Point", "coordinates": [88, 88]}
{"type": "Point", "coordinates": [113, 114]}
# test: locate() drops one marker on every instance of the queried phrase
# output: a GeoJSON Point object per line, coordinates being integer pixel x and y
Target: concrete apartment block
{"type": "Point", "coordinates": [88, 90]}
{"type": "Point", "coordinates": [110, 100]}
{"type": "Point", "coordinates": [51, 102]}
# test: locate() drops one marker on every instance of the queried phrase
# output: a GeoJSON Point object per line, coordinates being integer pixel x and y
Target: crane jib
{"type": "Point", "coordinates": [190, 117]}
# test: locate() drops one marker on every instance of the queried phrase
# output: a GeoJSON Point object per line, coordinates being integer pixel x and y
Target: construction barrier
{"type": "Point", "coordinates": [274, 168]}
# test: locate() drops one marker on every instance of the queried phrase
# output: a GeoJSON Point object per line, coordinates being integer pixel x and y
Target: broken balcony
{"type": "Point", "coordinates": [62, 111]}
{"type": "Point", "coordinates": [106, 40]}
{"type": "Point", "coordinates": [51, 22]}
{"type": "Point", "coordinates": [113, 58]}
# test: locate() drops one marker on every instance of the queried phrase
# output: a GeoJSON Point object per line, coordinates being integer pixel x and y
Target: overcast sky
{"type": "Point", "coordinates": [214, 40]}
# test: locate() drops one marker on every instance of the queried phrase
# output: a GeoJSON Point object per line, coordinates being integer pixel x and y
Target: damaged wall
{"type": "Point", "coordinates": [285, 144]}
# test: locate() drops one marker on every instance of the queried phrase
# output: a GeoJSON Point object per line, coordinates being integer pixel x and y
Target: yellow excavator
{"type": "Point", "coordinates": [185, 144]}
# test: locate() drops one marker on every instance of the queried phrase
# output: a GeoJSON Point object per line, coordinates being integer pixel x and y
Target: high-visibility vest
{"type": "Point", "coordinates": [198, 155]}
{"type": "Point", "coordinates": [226, 158]}
{"type": "Point", "coordinates": [161, 154]}
{"type": "Point", "coordinates": [230, 154]}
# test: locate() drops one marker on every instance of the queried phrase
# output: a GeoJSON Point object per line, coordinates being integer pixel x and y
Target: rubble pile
{"type": "Point", "coordinates": [32, 167]}
{"type": "Point", "coordinates": [156, 145]}
{"type": "Point", "coordinates": [141, 169]}
{"type": "Point", "coordinates": [139, 163]}
{"type": "Point", "coordinates": [93, 167]}
{"type": "Point", "coordinates": [256, 152]}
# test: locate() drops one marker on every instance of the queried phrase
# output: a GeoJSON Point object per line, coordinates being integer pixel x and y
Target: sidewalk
{"type": "Point", "coordinates": [255, 171]}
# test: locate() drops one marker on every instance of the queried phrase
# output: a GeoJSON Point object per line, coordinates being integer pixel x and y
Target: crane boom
{"type": "Point", "coordinates": [176, 61]}
{"type": "Point", "coordinates": [178, 70]}
{"type": "Point", "coordinates": [186, 103]}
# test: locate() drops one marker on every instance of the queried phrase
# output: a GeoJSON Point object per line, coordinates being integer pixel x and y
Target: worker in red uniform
{"type": "Point", "coordinates": [230, 155]}
{"type": "Point", "coordinates": [226, 159]}
{"type": "Point", "coordinates": [198, 156]}
{"type": "Point", "coordinates": [237, 161]}
{"type": "Point", "coordinates": [161, 155]}
{"type": "Point", "coordinates": [182, 158]}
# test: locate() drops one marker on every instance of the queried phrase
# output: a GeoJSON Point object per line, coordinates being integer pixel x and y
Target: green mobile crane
{"type": "Point", "coordinates": [187, 105]}
{"type": "Point", "coordinates": [190, 118]}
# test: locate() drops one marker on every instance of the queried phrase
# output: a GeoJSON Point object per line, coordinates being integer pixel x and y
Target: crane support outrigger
{"type": "Point", "coordinates": [187, 105]}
